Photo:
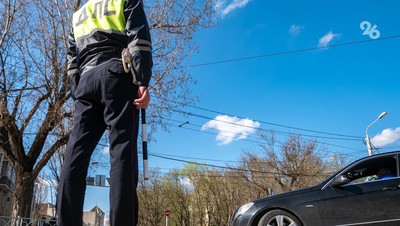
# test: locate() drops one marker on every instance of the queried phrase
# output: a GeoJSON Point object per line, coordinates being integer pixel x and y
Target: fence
{"type": "Point", "coordinates": [20, 221]}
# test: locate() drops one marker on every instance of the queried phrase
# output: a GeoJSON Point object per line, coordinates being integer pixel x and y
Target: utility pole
{"type": "Point", "coordinates": [367, 139]}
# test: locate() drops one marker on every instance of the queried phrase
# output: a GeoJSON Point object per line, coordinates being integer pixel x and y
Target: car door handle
{"type": "Point", "coordinates": [392, 187]}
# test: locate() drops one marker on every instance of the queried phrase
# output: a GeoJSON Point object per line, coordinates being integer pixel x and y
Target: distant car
{"type": "Point", "coordinates": [367, 192]}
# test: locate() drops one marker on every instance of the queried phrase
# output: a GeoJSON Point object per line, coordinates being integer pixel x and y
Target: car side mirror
{"type": "Point", "coordinates": [340, 180]}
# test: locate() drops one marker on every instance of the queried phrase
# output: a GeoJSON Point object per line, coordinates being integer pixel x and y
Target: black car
{"type": "Point", "coordinates": [367, 192]}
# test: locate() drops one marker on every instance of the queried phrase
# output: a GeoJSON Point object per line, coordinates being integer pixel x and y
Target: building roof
{"type": "Point", "coordinates": [97, 210]}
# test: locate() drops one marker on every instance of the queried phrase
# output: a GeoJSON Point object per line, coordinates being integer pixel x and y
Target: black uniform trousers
{"type": "Point", "coordinates": [104, 98]}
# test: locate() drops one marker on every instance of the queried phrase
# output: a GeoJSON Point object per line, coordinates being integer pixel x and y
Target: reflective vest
{"type": "Point", "coordinates": [104, 15]}
{"type": "Point", "coordinates": [101, 29]}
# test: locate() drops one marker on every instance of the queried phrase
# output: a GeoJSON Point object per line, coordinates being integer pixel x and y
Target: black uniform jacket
{"type": "Point", "coordinates": [101, 29]}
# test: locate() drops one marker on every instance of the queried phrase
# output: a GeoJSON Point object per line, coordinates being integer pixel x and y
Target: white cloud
{"type": "Point", "coordinates": [223, 9]}
{"type": "Point", "coordinates": [295, 29]}
{"type": "Point", "coordinates": [231, 128]}
{"type": "Point", "coordinates": [186, 182]}
{"type": "Point", "coordinates": [106, 221]}
{"type": "Point", "coordinates": [219, 4]}
{"type": "Point", "coordinates": [326, 39]}
{"type": "Point", "coordinates": [387, 136]}
{"type": "Point", "coordinates": [107, 218]}
{"type": "Point", "coordinates": [105, 151]}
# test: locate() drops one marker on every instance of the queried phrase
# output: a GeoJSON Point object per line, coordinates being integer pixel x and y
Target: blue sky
{"type": "Point", "coordinates": [337, 90]}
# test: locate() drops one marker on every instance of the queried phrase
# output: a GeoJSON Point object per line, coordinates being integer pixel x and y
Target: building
{"type": "Point", "coordinates": [46, 213]}
{"type": "Point", "coordinates": [7, 181]}
{"type": "Point", "coordinates": [99, 180]}
{"type": "Point", "coordinates": [46, 210]}
{"type": "Point", "coordinates": [95, 217]}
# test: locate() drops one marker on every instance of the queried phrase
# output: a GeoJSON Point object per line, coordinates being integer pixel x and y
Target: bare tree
{"type": "Point", "coordinates": [296, 163]}
{"type": "Point", "coordinates": [173, 24]}
{"type": "Point", "coordinates": [34, 107]}
{"type": "Point", "coordinates": [10, 10]}
{"type": "Point", "coordinates": [33, 94]}
{"type": "Point", "coordinates": [199, 195]}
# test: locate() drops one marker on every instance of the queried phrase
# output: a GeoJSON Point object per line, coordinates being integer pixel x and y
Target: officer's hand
{"type": "Point", "coordinates": [143, 98]}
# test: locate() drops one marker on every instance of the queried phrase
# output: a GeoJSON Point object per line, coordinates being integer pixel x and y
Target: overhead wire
{"type": "Point", "coordinates": [252, 127]}
{"type": "Point", "coordinates": [263, 122]}
{"type": "Point", "coordinates": [289, 52]}
{"type": "Point", "coordinates": [187, 157]}
{"type": "Point", "coordinates": [253, 141]}
{"type": "Point", "coordinates": [208, 159]}
{"type": "Point", "coordinates": [225, 167]}
{"type": "Point", "coordinates": [231, 168]}
{"type": "Point", "coordinates": [274, 54]}
{"type": "Point", "coordinates": [281, 53]}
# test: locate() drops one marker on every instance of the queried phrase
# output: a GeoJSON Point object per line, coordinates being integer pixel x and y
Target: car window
{"type": "Point", "coordinates": [379, 168]}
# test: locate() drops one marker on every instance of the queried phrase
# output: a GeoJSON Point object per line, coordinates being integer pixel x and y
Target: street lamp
{"type": "Point", "coordinates": [367, 139]}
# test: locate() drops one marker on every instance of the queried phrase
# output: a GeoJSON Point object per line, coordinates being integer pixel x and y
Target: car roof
{"type": "Point", "coordinates": [379, 154]}
{"type": "Point", "coordinates": [323, 183]}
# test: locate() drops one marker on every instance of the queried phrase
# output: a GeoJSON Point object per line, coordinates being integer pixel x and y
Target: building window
{"type": "Point", "coordinates": [4, 200]}
{"type": "Point", "coordinates": [6, 170]}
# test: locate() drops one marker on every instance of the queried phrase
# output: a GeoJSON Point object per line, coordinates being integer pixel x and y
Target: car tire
{"type": "Point", "coordinates": [279, 218]}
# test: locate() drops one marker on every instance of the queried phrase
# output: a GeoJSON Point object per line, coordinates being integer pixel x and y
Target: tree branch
{"type": "Point", "coordinates": [8, 124]}
{"type": "Point", "coordinates": [156, 25]}
{"type": "Point", "coordinates": [33, 110]}
{"type": "Point", "coordinates": [18, 99]}
{"type": "Point", "coordinates": [78, 3]}
{"type": "Point", "coordinates": [5, 145]}
{"type": "Point", "coordinates": [10, 19]}
{"type": "Point", "coordinates": [46, 157]}
{"type": "Point", "coordinates": [37, 145]}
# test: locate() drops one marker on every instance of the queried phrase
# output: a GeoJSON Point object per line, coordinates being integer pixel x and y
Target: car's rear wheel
{"type": "Point", "coordinates": [279, 218]}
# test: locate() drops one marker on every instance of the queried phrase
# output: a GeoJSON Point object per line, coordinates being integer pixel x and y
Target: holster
{"type": "Point", "coordinates": [127, 64]}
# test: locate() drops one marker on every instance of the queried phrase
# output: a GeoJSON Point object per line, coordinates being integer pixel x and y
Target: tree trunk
{"type": "Point", "coordinates": [23, 194]}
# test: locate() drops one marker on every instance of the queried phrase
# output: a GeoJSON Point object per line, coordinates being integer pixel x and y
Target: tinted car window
{"type": "Point", "coordinates": [373, 169]}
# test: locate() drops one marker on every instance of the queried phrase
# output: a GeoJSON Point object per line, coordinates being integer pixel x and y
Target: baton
{"type": "Point", "coordinates": [127, 64]}
{"type": "Point", "coordinates": [144, 145]}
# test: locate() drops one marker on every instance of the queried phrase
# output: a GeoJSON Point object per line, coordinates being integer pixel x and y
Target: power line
{"type": "Point", "coordinates": [264, 55]}
{"type": "Point", "coordinates": [253, 141]}
{"type": "Point", "coordinates": [216, 176]}
{"type": "Point", "coordinates": [264, 122]}
{"type": "Point", "coordinates": [205, 159]}
{"type": "Point", "coordinates": [224, 167]}
{"type": "Point", "coordinates": [206, 174]}
{"type": "Point", "coordinates": [288, 52]}
{"type": "Point", "coordinates": [231, 168]}
{"type": "Point", "coordinates": [271, 54]}
{"type": "Point", "coordinates": [252, 127]}
{"type": "Point", "coordinates": [194, 158]}
{"type": "Point", "coordinates": [389, 147]}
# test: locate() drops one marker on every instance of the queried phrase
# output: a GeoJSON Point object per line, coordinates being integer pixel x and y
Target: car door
{"type": "Point", "coordinates": [365, 199]}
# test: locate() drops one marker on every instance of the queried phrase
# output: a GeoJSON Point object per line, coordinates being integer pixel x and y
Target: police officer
{"type": "Point", "coordinates": [105, 97]}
